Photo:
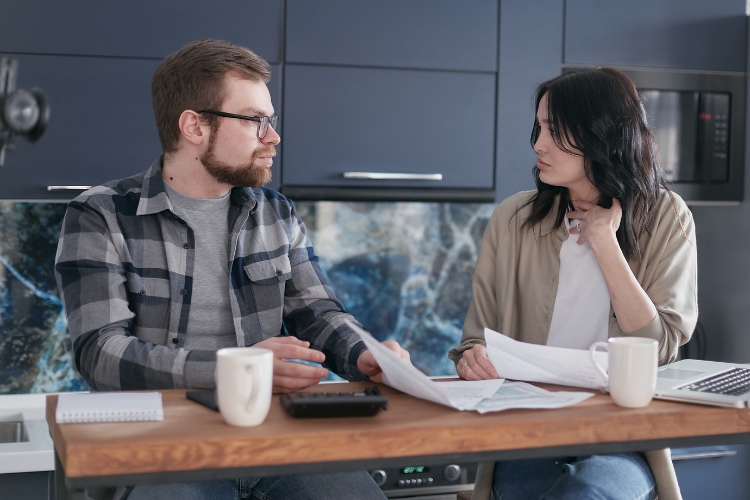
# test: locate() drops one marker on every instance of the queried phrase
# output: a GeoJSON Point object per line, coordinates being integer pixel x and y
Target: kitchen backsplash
{"type": "Point", "coordinates": [403, 269]}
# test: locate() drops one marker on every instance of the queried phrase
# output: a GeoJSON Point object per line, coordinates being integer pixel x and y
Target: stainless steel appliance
{"type": "Point", "coordinates": [698, 118]}
{"type": "Point", "coordinates": [433, 482]}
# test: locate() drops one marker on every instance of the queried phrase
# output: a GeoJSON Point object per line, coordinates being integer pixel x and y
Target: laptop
{"type": "Point", "coordinates": [704, 382]}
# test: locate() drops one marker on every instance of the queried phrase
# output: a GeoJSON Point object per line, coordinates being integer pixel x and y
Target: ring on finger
{"type": "Point", "coordinates": [463, 366]}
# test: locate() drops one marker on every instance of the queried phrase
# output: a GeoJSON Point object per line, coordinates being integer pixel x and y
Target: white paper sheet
{"type": "Point", "coordinates": [480, 395]}
{"type": "Point", "coordinates": [538, 363]}
{"type": "Point", "coordinates": [405, 377]}
{"type": "Point", "coordinates": [522, 395]}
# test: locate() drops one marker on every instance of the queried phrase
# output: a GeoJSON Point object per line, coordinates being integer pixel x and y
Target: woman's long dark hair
{"type": "Point", "coordinates": [599, 115]}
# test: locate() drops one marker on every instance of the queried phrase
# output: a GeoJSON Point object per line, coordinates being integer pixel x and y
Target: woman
{"type": "Point", "coordinates": [602, 248]}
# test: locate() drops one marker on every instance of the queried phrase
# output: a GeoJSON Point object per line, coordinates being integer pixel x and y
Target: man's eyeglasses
{"type": "Point", "coordinates": [263, 121]}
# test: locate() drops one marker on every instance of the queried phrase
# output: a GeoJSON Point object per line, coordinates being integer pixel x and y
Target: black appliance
{"type": "Point", "coordinates": [698, 118]}
{"type": "Point", "coordinates": [413, 482]}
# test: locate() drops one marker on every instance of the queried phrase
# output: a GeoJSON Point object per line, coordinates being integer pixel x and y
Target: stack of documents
{"type": "Point", "coordinates": [539, 363]}
{"type": "Point", "coordinates": [481, 395]}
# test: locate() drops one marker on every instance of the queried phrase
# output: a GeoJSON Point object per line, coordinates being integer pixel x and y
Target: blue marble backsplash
{"type": "Point", "coordinates": [403, 269]}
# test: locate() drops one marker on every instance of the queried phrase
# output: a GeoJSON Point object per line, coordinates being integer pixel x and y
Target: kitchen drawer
{"type": "Point", "coordinates": [137, 28]}
{"type": "Point", "coordinates": [434, 34]}
{"type": "Point", "coordinates": [340, 120]}
{"type": "Point", "coordinates": [101, 125]}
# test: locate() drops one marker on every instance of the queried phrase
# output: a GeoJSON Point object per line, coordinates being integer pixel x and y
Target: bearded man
{"type": "Point", "coordinates": [160, 270]}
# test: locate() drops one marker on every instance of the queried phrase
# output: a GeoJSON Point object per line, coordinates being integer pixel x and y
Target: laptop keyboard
{"type": "Point", "coordinates": [730, 383]}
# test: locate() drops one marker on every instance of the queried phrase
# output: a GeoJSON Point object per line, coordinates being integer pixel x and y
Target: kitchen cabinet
{"type": "Point", "coordinates": [101, 125]}
{"type": "Point", "coordinates": [425, 34]}
{"type": "Point", "coordinates": [137, 28]}
{"type": "Point", "coordinates": [712, 471]}
{"type": "Point", "coordinates": [344, 120]}
{"type": "Point", "coordinates": [531, 35]}
{"type": "Point", "coordinates": [386, 99]}
{"type": "Point", "coordinates": [94, 64]}
{"type": "Point", "coordinates": [680, 34]}
{"type": "Point", "coordinates": [27, 485]}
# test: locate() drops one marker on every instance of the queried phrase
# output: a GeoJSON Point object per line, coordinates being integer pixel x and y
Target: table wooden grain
{"type": "Point", "coordinates": [194, 438]}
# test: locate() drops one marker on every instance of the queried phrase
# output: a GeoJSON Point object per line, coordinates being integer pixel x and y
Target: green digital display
{"type": "Point", "coordinates": [415, 470]}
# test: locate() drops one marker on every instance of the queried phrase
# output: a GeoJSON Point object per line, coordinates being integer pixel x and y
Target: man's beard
{"type": "Point", "coordinates": [247, 175]}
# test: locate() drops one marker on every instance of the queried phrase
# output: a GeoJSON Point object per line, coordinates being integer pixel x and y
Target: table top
{"type": "Point", "coordinates": [192, 438]}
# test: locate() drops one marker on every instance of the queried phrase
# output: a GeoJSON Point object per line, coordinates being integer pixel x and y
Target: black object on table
{"type": "Point", "coordinates": [334, 404]}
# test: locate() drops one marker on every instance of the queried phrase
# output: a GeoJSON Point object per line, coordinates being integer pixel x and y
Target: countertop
{"type": "Point", "coordinates": [37, 454]}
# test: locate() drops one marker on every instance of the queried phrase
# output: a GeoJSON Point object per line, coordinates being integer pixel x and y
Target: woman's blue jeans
{"type": "Point", "coordinates": [607, 477]}
{"type": "Point", "coordinates": [350, 485]}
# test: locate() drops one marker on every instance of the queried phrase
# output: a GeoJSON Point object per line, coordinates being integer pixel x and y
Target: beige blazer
{"type": "Point", "coordinates": [515, 285]}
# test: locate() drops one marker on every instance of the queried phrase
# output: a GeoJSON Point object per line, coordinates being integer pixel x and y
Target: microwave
{"type": "Point", "coordinates": [698, 120]}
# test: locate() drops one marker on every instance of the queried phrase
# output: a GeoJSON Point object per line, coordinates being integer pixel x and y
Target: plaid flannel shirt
{"type": "Point", "coordinates": [124, 267]}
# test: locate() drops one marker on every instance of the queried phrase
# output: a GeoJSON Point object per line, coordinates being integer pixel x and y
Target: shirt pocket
{"type": "Point", "coordinates": [268, 283]}
{"type": "Point", "coordinates": [149, 299]}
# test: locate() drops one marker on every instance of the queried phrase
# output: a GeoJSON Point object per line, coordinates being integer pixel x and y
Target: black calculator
{"type": "Point", "coordinates": [334, 404]}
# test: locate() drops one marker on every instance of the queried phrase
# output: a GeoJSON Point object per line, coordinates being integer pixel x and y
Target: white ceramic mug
{"type": "Point", "coordinates": [244, 378]}
{"type": "Point", "coordinates": [632, 369]}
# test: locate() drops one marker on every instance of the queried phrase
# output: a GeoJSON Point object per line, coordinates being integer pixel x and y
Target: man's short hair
{"type": "Point", "coordinates": [193, 78]}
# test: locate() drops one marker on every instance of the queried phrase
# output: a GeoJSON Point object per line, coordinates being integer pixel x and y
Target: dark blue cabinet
{"type": "Point", "coordinates": [27, 486]}
{"type": "Point", "coordinates": [340, 120]}
{"type": "Point", "coordinates": [694, 34]}
{"type": "Point", "coordinates": [138, 28]}
{"type": "Point", "coordinates": [94, 62]}
{"type": "Point", "coordinates": [713, 471]}
{"type": "Point", "coordinates": [101, 125]}
{"type": "Point", "coordinates": [434, 34]}
{"type": "Point", "coordinates": [531, 35]}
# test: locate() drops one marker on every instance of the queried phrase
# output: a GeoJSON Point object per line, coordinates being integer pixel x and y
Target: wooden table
{"type": "Point", "coordinates": [193, 443]}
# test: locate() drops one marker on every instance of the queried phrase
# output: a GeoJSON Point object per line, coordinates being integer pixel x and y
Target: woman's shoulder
{"type": "Point", "coordinates": [670, 204]}
{"type": "Point", "coordinates": [515, 203]}
{"type": "Point", "coordinates": [672, 216]}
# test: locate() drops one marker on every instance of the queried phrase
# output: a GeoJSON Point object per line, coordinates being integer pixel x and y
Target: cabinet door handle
{"type": "Point", "coordinates": [708, 454]}
{"type": "Point", "coordinates": [384, 176]}
{"type": "Point", "coordinates": [68, 188]}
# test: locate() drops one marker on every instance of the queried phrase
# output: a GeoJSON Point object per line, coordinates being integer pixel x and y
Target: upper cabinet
{"type": "Point", "coordinates": [94, 64]}
{"type": "Point", "coordinates": [138, 28]}
{"type": "Point", "coordinates": [387, 99]}
{"type": "Point", "coordinates": [101, 126]}
{"type": "Point", "coordinates": [425, 34]}
{"type": "Point", "coordinates": [697, 35]}
{"type": "Point", "coordinates": [384, 129]}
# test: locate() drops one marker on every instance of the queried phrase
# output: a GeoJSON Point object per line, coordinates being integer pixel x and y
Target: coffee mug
{"type": "Point", "coordinates": [244, 378]}
{"type": "Point", "coordinates": [632, 369]}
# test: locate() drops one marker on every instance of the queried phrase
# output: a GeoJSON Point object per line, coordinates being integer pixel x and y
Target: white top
{"type": "Point", "coordinates": [581, 313]}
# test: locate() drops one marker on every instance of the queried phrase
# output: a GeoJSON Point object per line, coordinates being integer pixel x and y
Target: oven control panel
{"type": "Point", "coordinates": [394, 480]}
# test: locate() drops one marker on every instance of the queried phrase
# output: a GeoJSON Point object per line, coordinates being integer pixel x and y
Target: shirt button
{"type": "Point", "coordinates": [174, 341]}
{"type": "Point", "coordinates": [183, 291]}
{"type": "Point", "coordinates": [278, 272]}
{"type": "Point", "coordinates": [185, 246]}
{"type": "Point", "coordinates": [143, 293]}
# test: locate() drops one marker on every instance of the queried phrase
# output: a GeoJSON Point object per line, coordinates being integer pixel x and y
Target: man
{"type": "Point", "coordinates": [159, 270]}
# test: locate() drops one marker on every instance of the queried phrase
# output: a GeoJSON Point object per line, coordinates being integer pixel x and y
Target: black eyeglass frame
{"type": "Point", "coordinates": [263, 121]}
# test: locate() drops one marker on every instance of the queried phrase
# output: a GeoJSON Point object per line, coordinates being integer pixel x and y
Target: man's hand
{"type": "Point", "coordinates": [475, 364]}
{"type": "Point", "coordinates": [368, 366]}
{"type": "Point", "coordinates": [289, 376]}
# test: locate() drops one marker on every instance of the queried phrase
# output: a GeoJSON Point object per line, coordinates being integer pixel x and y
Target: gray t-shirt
{"type": "Point", "coordinates": [210, 324]}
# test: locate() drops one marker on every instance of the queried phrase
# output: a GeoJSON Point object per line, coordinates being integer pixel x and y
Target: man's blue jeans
{"type": "Point", "coordinates": [350, 486]}
{"type": "Point", "coordinates": [607, 477]}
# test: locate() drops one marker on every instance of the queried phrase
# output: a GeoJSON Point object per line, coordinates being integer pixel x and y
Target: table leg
{"type": "Point", "coordinates": [61, 490]}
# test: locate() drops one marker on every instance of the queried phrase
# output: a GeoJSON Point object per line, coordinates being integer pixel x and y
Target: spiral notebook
{"type": "Point", "coordinates": [77, 407]}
